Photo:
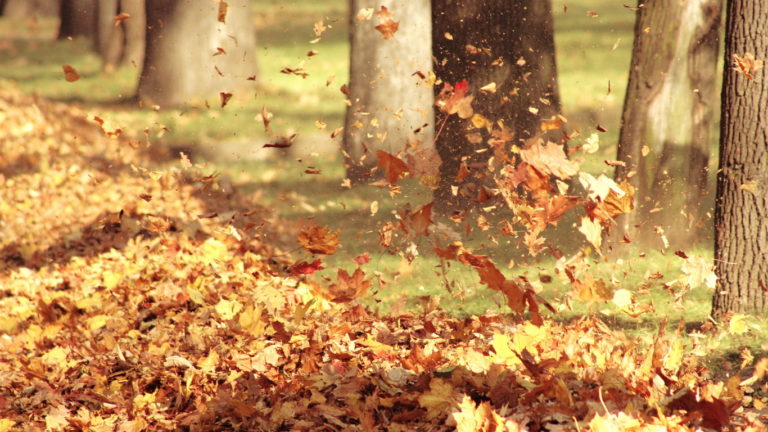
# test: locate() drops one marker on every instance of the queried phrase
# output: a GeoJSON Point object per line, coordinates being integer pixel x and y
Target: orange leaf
{"type": "Point", "coordinates": [319, 240]}
{"type": "Point", "coordinates": [388, 29]}
{"type": "Point", "coordinates": [120, 18]}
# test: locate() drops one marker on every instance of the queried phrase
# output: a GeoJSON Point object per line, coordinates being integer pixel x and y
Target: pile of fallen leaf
{"type": "Point", "coordinates": [136, 294]}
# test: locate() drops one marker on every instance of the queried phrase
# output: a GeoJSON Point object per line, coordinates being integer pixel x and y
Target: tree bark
{"type": "Point", "coordinates": [78, 19]}
{"type": "Point", "coordinates": [182, 38]}
{"type": "Point", "coordinates": [509, 43]}
{"type": "Point", "coordinates": [390, 104]}
{"type": "Point", "coordinates": [741, 207]}
{"type": "Point", "coordinates": [667, 121]}
{"type": "Point", "coordinates": [30, 8]}
{"type": "Point", "coordinates": [122, 44]}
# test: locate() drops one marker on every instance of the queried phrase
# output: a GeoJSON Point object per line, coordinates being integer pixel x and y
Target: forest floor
{"type": "Point", "coordinates": [169, 280]}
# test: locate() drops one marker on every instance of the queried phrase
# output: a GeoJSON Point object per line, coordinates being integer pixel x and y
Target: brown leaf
{"type": "Point", "coordinates": [222, 15]}
{"type": "Point", "coordinates": [394, 167]}
{"type": "Point", "coordinates": [225, 97]}
{"type": "Point", "coordinates": [388, 28]}
{"type": "Point", "coordinates": [70, 74]}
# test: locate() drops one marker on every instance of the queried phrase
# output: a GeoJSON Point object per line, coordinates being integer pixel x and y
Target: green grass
{"type": "Point", "coordinates": [592, 52]}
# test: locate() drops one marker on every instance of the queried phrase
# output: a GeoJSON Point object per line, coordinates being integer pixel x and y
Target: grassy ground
{"type": "Point", "coordinates": [593, 58]}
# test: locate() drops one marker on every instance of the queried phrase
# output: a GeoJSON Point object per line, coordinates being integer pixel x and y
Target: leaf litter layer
{"type": "Point", "coordinates": [137, 295]}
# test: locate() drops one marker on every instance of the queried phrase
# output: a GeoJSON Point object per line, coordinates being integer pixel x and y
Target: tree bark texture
{"type": "Point", "coordinates": [30, 8]}
{"type": "Point", "coordinates": [667, 121]}
{"type": "Point", "coordinates": [741, 208]}
{"type": "Point", "coordinates": [78, 19]}
{"type": "Point", "coordinates": [122, 44]}
{"type": "Point", "coordinates": [509, 43]}
{"type": "Point", "coordinates": [182, 37]}
{"type": "Point", "coordinates": [390, 100]}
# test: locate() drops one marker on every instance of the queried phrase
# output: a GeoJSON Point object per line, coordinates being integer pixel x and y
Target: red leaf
{"type": "Point", "coordinates": [305, 268]}
{"type": "Point", "coordinates": [225, 97]}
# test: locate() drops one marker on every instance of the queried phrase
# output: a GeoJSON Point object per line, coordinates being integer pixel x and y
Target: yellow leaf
{"type": "Point", "coordinates": [440, 399]}
{"type": "Point", "coordinates": [97, 322]}
{"type": "Point", "coordinates": [209, 363]}
{"type": "Point", "coordinates": [227, 309]}
{"type": "Point", "coordinates": [749, 186]}
{"type": "Point", "coordinates": [111, 279]}
{"type": "Point", "coordinates": [674, 358]}
{"type": "Point", "coordinates": [6, 425]}
{"type": "Point", "coordinates": [738, 324]}
{"type": "Point", "coordinates": [214, 250]}
{"type": "Point", "coordinates": [480, 122]}
{"type": "Point", "coordinates": [251, 321]}
{"type": "Point", "coordinates": [56, 356]}
{"type": "Point", "coordinates": [141, 401]}
{"type": "Point", "coordinates": [504, 354]}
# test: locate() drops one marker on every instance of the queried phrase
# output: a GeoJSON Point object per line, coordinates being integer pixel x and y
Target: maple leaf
{"type": "Point", "coordinates": [394, 167]}
{"type": "Point", "coordinates": [349, 287]}
{"type": "Point", "coordinates": [549, 158]}
{"type": "Point", "coordinates": [319, 240]}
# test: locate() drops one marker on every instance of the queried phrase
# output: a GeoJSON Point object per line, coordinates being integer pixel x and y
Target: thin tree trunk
{"type": "Point", "coordinates": [741, 210]}
{"type": "Point", "coordinates": [78, 18]}
{"type": "Point", "coordinates": [667, 119]}
{"type": "Point", "coordinates": [122, 43]}
{"type": "Point", "coordinates": [182, 37]}
{"type": "Point", "coordinates": [390, 101]}
{"type": "Point", "coordinates": [506, 43]}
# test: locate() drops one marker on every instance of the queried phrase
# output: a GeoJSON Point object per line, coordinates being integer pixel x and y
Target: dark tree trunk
{"type": "Point", "coordinates": [182, 38]}
{"type": "Point", "coordinates": [30, 8]}
{"type": "Point", "coordinates": [122, 44]}
{"type": "Point", "coordinates": [741, 208]}
{"type": "Point", "coordinates": [667, 122]}
{"type": "Point", "coordinates": [78, 18]}
{"type": "Point", "coordinates": [509, 43]}
{"type": "Point", "coordinates": [390, 103]}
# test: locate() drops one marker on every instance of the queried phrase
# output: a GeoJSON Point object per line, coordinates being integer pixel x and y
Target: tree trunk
{"type": "Point", "coordinates": [182, 38]}
{"type": "Point", "coordinates": [667, 122]}
{"type": "Point", "coordinates": [391, 105]}
{"type": "Point", "coordinates": [741, 207]}
{"type": "Point", "coordinates": [122, 44]}
{"type": "Point", "coordinates": [30, 8]}
{"type": "Point", "coordinates": [78, 18]}
{"type": "Point", "coordinates": [509, 43]}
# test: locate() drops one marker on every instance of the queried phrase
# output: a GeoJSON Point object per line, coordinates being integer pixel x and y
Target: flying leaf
{"type": "Point", "coordinates": [70, 74]}
{"type": "Point", "coordinates": [222, 14]}
{"type": "Point", "coordinates": [319, 240]}
{"type": "Point", "coordinates": [120, 18]}
{"type": "Point", "coordinates": [225, 97]}
{"type": "Point", "coordinates": [549, 158]}
{"type": "Point", "coordinates": [306, 268]}
{"type": "Point", "coordinates": [388, 28]}
{"type": "Point", "coordinates": [592, 231]}
{"type": "Point", "coordinates": [394, 167]}
{"type": "Point", "coordinates": [747, 65]}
